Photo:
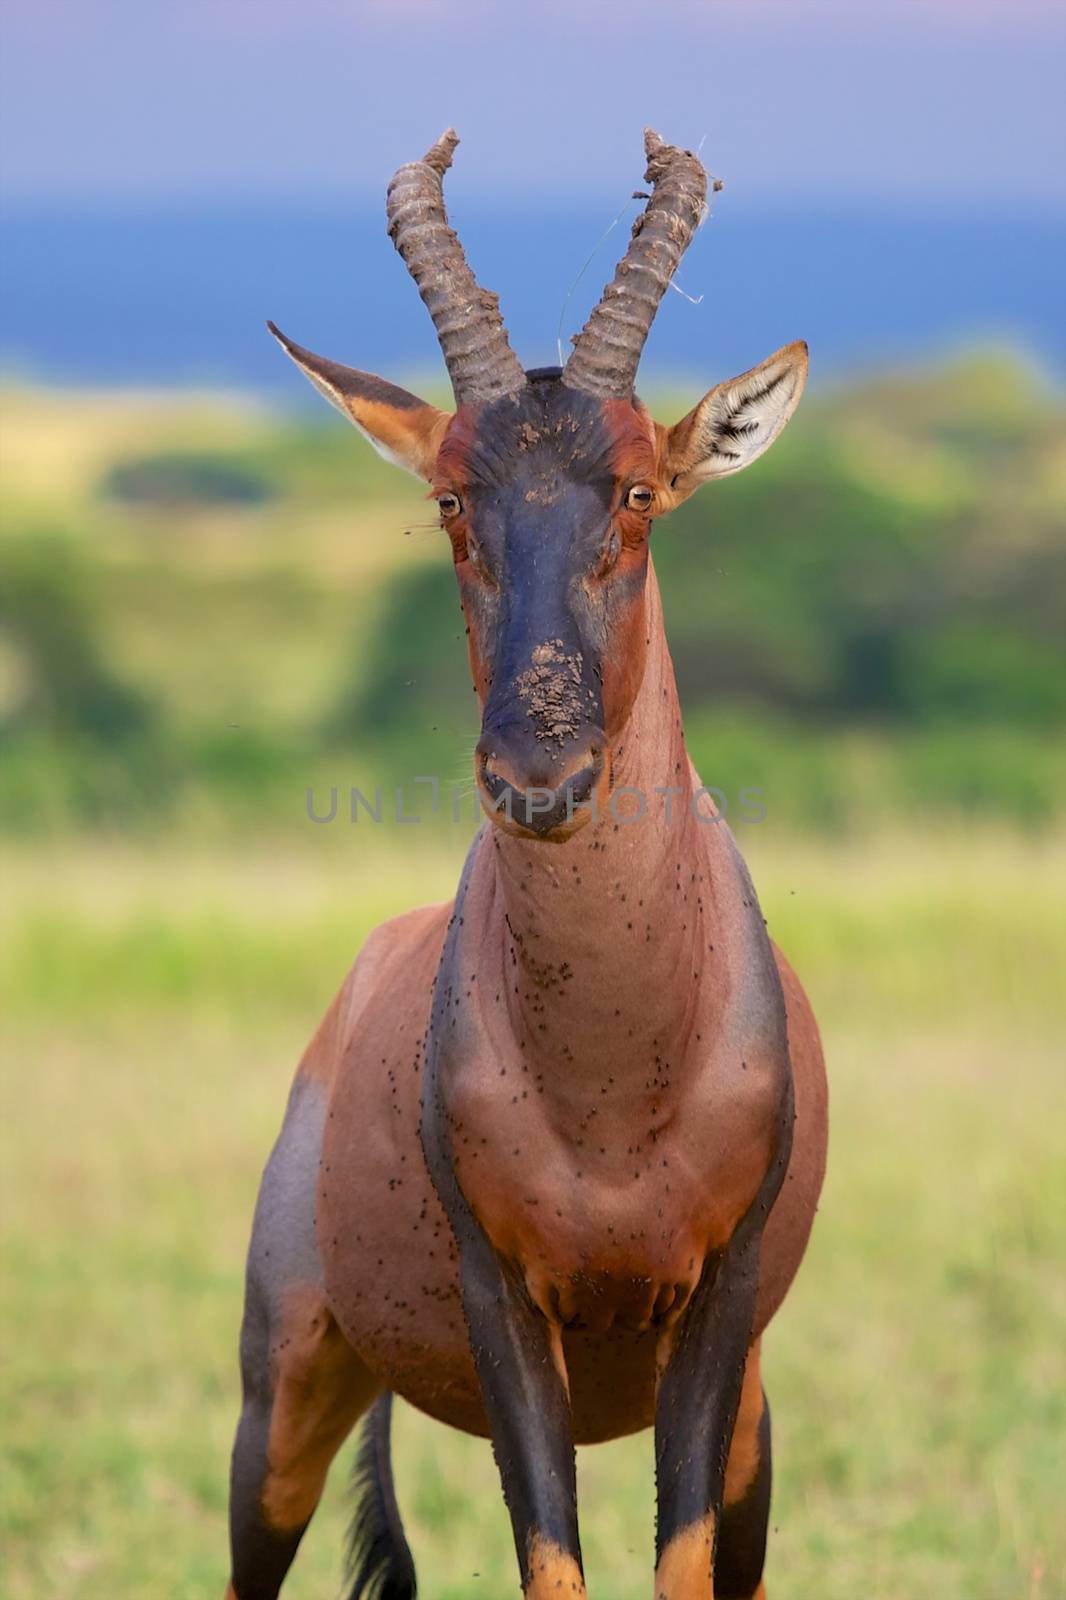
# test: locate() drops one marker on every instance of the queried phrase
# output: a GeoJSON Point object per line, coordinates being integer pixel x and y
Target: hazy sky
{"type": "Point", "coordinates": [936, 103]}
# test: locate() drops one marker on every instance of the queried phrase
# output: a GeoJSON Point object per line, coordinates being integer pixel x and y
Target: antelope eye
{"type": "Point", "coordinates": [449, 505]}
{"type": "Point", "coordinates": [640, 498]}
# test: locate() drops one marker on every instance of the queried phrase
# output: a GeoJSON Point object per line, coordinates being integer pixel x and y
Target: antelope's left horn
{"type": "Point", "coordinates": [480, 361]}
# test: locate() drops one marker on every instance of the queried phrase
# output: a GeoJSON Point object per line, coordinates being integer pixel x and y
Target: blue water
{"type": "Point", "coordinates": [180, 296]}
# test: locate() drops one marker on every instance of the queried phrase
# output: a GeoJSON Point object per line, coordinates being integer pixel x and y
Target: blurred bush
{"type": "Point", "coordinates": [176, 480]}
{"type": "Point", "coordinates": [50, 617]}
{"type": "Point", "coordinates": [77, 741]}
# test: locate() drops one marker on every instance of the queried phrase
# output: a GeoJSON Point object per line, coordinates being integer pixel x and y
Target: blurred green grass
{"type": "Point", "coordinates": [153, 1011]}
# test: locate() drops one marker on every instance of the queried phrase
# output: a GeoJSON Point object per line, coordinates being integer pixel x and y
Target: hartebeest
{"type": "Point", "coordinates": [550, 1163]}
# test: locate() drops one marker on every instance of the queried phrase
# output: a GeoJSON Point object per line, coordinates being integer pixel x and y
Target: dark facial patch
{"type": "Point", "coordinates": [550, 567]}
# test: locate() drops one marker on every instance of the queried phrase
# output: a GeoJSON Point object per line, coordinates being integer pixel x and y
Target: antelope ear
{"type": "Point", "coordinates": [734, 422]}
{"type": "Point", "coordinates": [402, 428]}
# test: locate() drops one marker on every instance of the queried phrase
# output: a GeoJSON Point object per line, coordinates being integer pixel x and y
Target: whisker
{"type": "Point", "coordinates": [693, 299]}
{"type": "Point", "coordinates": [584, 268]}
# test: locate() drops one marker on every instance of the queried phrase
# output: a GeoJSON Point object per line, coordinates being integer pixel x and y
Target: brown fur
{"type": "Point", "coordinates": [616, 1105]}
{"type": "Point", "coordinates": [320, 1388]}
{"type": "Point", "coordinates": [402, 427]}
{"type": "Point", "coordinates": [412, 438]}
{"type": "Point", "coordinates": [611, 1237]}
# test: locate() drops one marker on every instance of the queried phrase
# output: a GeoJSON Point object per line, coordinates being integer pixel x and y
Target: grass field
{"type": "Point", "coordinates": [154, 1000]}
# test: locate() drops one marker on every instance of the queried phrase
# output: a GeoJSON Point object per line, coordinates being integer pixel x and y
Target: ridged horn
{"type": "Point", "coordinates": [480, 361]}
{"type": "Point", "coordinates": [607, 351]}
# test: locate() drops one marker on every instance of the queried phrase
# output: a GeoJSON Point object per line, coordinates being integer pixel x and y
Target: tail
{"type": "Point", "coordinates": [378, 1564]}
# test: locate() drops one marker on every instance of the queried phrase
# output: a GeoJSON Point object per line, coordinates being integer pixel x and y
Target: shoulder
{"type": "Point", "coordinates": [400, 957]}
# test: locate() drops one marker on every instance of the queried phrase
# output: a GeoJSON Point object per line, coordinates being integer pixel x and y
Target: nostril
{"type": "Point", "coordinates": [543, 794]}
{"type": "Point", "coordinates": [487, 765]}
{"type": "Point", "coordinates": [582, 784]}
{"type": "Point", "coordinates": [488, 775]}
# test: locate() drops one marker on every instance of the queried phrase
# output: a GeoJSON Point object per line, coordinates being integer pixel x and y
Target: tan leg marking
{"type": "Point", "coordinates": [684, 1570]}
{"type": "Point", "coordinates": [743, 1460]}
{"type": "Point", "coordinates": [555, 1334]}
{"type": "Point", "coordinates": [320, 1388]}
{"type": "Point", "coordinates": [553, 1575]}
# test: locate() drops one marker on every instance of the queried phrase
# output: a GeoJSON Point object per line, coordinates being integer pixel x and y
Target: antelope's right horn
{"type": "Point", "coordinates": [607, 351]}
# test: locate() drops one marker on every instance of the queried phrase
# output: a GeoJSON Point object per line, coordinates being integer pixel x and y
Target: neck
{"type": "Point", "coordinates": [600, 935]}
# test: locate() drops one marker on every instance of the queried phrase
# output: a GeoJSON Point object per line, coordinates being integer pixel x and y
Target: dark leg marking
{"type": "Point", "coordinates": [261, 1555]}
{"type": "Point", "coordinates": [529, 1415]}
{"type": "Point", "coordinates": [519, 1368]}
{"type": "Point", "coordinates": [303, 1385]}
{"type": "Point", "coordinates": [300, 1402]}
{"type": "Point", "coordinates": [706, 1360]}
{"type": "Point", "coordinates": [699, 1396]}
{"type": "Point", "coordinates": [745, 1519]}
{"type": "Point", "coordinates": [518, 1356]}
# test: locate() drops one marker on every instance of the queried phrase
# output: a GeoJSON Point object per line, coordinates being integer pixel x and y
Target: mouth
{"type": "Point", "coordinates": [550, 815]}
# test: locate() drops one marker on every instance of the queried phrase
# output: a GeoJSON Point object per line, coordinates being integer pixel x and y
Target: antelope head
{"type": "Point", "coordinates": [548, 483]}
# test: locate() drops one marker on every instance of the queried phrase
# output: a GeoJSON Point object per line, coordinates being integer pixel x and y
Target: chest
{"type": "Point", "coordinates": [609, 1187]}
{"type": "Point", "coordinates": [610, 1116]}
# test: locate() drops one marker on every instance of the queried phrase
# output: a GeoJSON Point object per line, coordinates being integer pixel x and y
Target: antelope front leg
{"type": "Point", "coordinates": [522, 1376]}
{"type": "Point", "coordinates": [702, 1363]}
{"type": "Point", "coordinates": [520, 1369]}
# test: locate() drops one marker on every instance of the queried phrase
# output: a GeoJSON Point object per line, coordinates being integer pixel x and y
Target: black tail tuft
{"type": "Point", "coordinates": [378, 1564]}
